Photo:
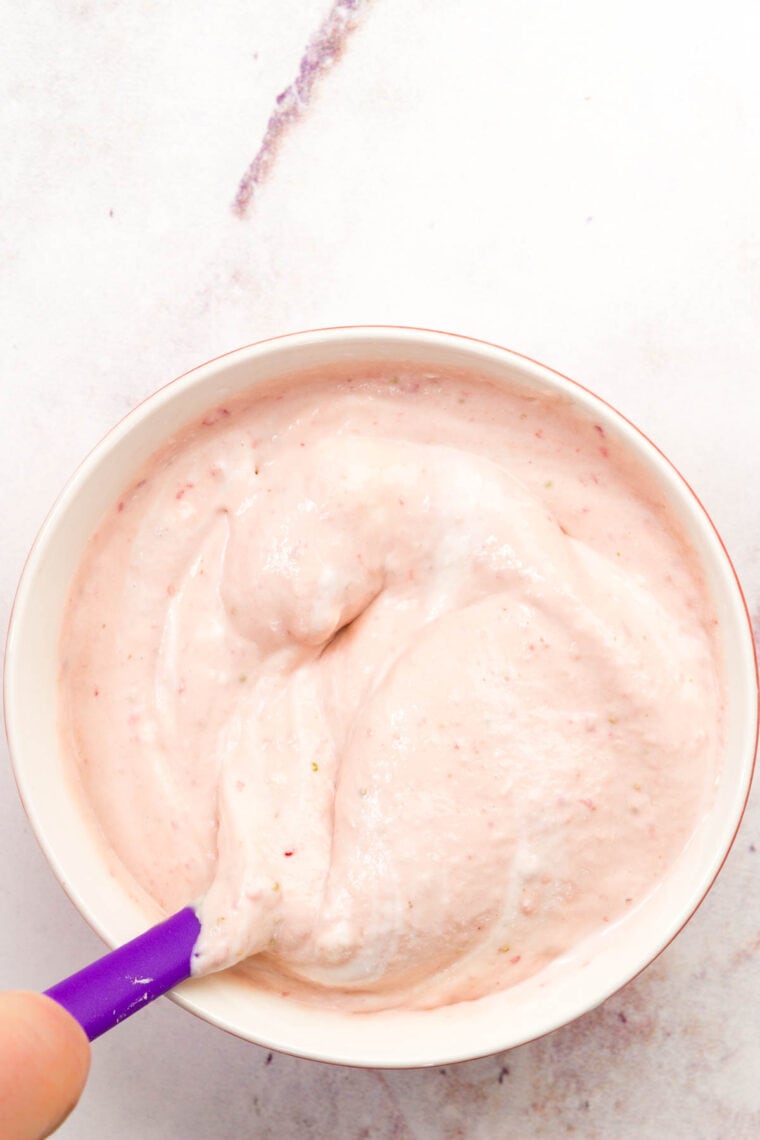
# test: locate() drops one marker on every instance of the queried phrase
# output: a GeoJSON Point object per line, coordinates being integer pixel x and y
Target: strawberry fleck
{"type": "Point", "coordinates": [215, 416]}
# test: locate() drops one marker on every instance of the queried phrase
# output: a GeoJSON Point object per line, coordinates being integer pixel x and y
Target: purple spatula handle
{"type": "Point", "coordinates": [120, 983]}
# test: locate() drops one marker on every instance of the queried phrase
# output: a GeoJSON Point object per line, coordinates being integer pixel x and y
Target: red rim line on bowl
{"type": "Point", "coordinates": [117, 985]}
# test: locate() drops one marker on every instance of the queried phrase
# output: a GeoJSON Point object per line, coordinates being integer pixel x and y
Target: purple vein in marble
{"type": "Point", "coordinates": [323, 50]}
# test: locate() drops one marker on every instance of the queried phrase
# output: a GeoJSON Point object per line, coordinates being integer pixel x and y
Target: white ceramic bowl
{"type": "Point", "coordinates": [398, 1038]}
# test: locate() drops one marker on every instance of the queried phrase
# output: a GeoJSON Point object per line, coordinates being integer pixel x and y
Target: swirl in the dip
{"type": "Point", "coordinates": [409, 677]}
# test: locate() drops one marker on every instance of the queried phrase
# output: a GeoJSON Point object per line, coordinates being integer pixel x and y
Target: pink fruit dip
{"type": "Point", "coordinates": [409, 678]}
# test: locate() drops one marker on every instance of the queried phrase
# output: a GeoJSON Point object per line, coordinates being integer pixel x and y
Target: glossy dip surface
{"type": "Point", "coordinates": [409, 676]}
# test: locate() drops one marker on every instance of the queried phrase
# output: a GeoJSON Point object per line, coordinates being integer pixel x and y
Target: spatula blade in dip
{"type": "Point", "coordinates": [130, 977]}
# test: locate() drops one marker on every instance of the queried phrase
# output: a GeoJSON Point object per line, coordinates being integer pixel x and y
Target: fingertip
{"type": "Point", "coordinates": [44, 1062]}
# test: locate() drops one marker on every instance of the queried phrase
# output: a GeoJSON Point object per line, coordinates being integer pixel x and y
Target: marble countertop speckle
{"type": "Point", "coordinates": [576, 181]}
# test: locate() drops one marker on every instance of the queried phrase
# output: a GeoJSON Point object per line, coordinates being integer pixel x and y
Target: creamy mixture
{"type": "Point", "coordinates": [410, 679]}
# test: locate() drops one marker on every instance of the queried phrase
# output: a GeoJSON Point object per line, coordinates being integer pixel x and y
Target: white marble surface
{"type": "Point", "coordinates": [578, 181]}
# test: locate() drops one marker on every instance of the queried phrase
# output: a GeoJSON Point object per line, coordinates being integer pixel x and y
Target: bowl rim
{"type": "Point", "coordinates": [132, 419]}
